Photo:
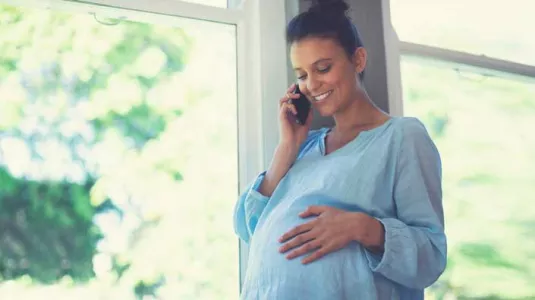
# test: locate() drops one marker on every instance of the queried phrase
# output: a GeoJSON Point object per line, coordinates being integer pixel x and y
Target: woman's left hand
{"type": "Point", "coordinates": [330, 231]}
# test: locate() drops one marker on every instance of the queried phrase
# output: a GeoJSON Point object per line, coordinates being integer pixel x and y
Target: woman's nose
{"type": "Point", "coordinates": [313, 85]}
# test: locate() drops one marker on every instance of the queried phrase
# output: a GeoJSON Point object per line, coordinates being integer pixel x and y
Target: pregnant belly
{"type": "Point", "coordinates": [268, 267]}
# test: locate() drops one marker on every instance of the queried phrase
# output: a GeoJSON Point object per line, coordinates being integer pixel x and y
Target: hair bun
{"type": "Point", "coordinates": [337, 7]}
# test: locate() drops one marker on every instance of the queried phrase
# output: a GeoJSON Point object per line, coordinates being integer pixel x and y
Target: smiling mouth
{"type": "Point", "coordinates": [322, 97]}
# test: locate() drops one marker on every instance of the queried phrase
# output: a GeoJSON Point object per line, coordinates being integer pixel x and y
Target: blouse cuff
{"type": "Point", "coordinates": [394, 234]}
{"type": "Point", "coordinates": [255, 203]}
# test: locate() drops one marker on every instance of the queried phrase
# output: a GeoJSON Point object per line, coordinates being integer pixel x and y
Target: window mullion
{"type": "Point", "coordinates": [464, 58]}
{"type": "Point", "coordinates": [172, 8]}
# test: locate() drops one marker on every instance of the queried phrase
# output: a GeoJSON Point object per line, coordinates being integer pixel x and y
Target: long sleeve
{"type": "Point", "coordinates": [415, 248]}
{"type": "Point", "coordinates": [251, 203]}
{"type": "Point", "coordinates": [248, 209]}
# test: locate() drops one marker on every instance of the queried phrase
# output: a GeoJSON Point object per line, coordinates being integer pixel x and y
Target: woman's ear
{"type": "Point", "coordinates": [359, 59]}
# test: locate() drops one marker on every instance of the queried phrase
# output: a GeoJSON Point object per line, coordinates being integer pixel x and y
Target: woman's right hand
{"type": "Point", "coordinates": [292, 134]}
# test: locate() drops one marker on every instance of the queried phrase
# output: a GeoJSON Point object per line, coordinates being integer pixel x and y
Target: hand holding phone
{"type": "Point", "coordinates": [302, 106]}
{"type": "Point", "coordinates": [294, 113]}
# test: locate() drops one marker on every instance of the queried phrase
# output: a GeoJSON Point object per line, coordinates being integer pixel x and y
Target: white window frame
{"type": "Point", "coordinates": [480, 61]}
{"type": "Point", "coordinates": [502, 67]}
{"type": "Point", "coordinates": [261, 64]}
{"type": "Point", "coordinates": [491, 65]}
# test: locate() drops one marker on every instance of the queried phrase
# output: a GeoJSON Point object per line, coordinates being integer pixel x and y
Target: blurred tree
{"type": "Point", "coordinates": [47, 229]}
{"type": "Point", "coordinates": [71, 91]}
{"type": "Point", "coordinates": [487, 177]}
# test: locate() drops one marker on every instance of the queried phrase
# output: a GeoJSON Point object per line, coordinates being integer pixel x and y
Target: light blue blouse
{"type": "Point", "coordinates": [391, 172]}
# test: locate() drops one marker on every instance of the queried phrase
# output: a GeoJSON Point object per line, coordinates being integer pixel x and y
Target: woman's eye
{"type": "Point", "coordinates": [324, 70]}
{"type": "Point", "coordinates": [301, 77]}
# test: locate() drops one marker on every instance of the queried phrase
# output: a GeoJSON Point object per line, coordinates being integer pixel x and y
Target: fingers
{"type": "Point", "coordinates": [289, 95]}
{"type": "Point", "coordinates": [296, 231]}
{"type": "Point", "coordinates": [285, 103]}
{"type": "Point", "coordinates": [319, 253]}
{"type": "Point", "coordinates": [304, 238]}
{"type": "Point", "coordinates": [287, 98]}
{"type": "Point", "coordinates": [289, 107]}
{"type": "Point", "coordinates": [304, 249]}
{"type": "Point", "coordinates": [291, 89]}
{"type": "Point", "coordinates": [313, 211]}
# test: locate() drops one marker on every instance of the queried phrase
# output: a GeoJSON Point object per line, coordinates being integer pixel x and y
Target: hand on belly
{"type": "Point", "coordinates": [329, 230]}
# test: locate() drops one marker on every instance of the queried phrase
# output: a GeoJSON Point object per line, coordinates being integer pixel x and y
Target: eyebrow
{"type": "Point", "coordinates": [317, 62]}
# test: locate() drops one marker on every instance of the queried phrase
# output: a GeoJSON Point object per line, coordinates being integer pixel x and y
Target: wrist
{"type": "Point", "coordinates": [283, 159]}
{"type": "Point", "coordinates": [372, 237]}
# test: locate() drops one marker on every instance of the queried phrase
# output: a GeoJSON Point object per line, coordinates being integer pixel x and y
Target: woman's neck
{"type": "Point", "coordinates": [360, 115]}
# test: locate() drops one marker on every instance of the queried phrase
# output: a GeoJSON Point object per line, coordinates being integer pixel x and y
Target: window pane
{"type": "Point", "coordinates": [483, 127]}
{"type": "Point", "coordinates": [493, 28]}
{"type": "Point", "coordinates": [216, 3]}
{"type": "Point", "coordinates": [118, 158]}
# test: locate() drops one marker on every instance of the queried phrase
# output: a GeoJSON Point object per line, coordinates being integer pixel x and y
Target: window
{"type": "Point", "coordinates": [117, 124]}
{"type": "Point", "coordinates": [125, 139]}
{"type": "Point", "coordinates": [481, 120]}
{"type": "Point", "coordinates": [216, 3]}
{"type": "Point", "coordinates": [491, 28]}
{"type": "Point", "coordinates": [483, 129]}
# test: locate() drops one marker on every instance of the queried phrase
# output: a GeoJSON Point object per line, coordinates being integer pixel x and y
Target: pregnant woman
{"type": "Point", "coordinates": [348, 212]}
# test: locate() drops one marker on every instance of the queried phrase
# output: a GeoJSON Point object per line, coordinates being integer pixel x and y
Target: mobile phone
{"type": "Point", "coordinates": [302, 106]}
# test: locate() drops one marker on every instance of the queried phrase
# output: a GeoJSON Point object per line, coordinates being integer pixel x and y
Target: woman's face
{"type": "Point", "coordinates": [326, 75]}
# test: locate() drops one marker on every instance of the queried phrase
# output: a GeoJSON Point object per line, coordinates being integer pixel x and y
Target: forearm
{"type": "Point", "coordinates": [283, 159]}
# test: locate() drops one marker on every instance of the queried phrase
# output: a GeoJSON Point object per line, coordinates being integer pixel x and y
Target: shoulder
{"type": "Point", "coordinates": [407, 127]}
{"type": "Point", "coordinates": [410, 130]}
{"type": "Point", "coordinates": [412, 137]}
